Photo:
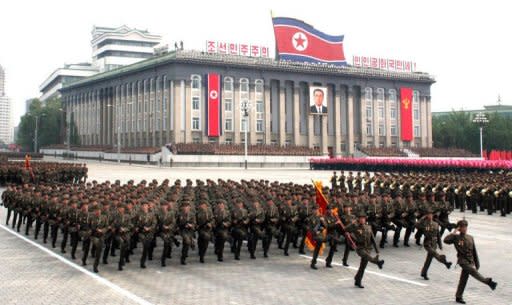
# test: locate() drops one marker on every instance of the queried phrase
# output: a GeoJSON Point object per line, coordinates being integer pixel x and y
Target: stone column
{"type": "Point", "coordinates": [268, 131]}
{"type": "Point", "coordinates": [429, 122]}
{"type": "Point", "coordinates": [323, 121]}
{"type": "Point", "coordinates": [296, 114]}
{"type": "Point", "coordinates": [177, 112]}
{"type": "Point", "coordinates": [282, 113]}
{"type": "Point", "coordinates": [337, 121]}
{"type": "Point", "coordinates": [350, 121]}
{"type": "Point", "coordinates": [423, 121]}
{"type": "Point", "coordinates": [387, 118]}
{"type": "Point", "coordinates": [188, 112]}
{"type": "Point", "coordinates": [103, 127]}
{"type": "Point", "coordinates": [376, 119]}
{"type": "Point", "coordinates": [236, 112]}
{"type": "Point", "coordinates": [364, 138]}
{"type": "Point", "coordinates": [252, 116]}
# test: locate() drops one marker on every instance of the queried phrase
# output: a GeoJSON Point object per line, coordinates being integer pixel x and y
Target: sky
{"type": "Point", "coordinates": [465, 45]}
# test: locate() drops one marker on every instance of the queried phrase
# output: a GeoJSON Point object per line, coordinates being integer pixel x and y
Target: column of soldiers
{"type": "Point", "coordinates": [107, 217]}
{"type": "Point", "coordinates": [49, 172]}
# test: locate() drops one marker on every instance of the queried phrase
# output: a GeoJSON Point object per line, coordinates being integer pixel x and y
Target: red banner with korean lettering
{"type": "Point", "coordinates": [213, 105]}
{"type": "Point", "coordinates": [406, 114]}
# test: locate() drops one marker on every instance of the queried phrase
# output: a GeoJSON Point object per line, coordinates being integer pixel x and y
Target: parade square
{"type": "Point", "coordinates": [31, 274]}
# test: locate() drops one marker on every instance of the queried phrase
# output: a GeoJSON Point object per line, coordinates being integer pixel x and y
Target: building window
{"type": "Point", "coordinates": [416, 105]}
{"type": "Point", "coordinates": [195, 140]}
{"type": "Point", "coordinates": [244, 85]}
{"type": "Point", "coordinates": [228, 105]}
{"type": "Point", "coordinates": [369, 128]}
{"type": "Point", "coordinates": [196, 82]}
{"type": "Point", "coordinates": [393, 130]}
{"type": "Point", "coordinates": [259, 107]}
{"type": "Point", "coordinates": [417, 133]}
{"type": "Point", "coordinates": [382, 129]}
{"type": "Point", "coordinates": [228, 84]}
{"type": "Point", "coordinates": [195, 123]}
{"type": "Point", "coordinates": [258, 86]}
{"type": "Point", "coordinates": [195, 103]}
{"type": "Point", "coordinates": [228, 141]}
{"type": "Point", "coordinates": [243, 124]}
{"type": "Point", "coordinates": [259, 125]}
{"type": "Point", "coordinates": [228, 125]}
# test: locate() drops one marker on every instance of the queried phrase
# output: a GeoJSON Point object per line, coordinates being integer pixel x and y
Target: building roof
{"type": "Point", "coordinates": [267, 64]}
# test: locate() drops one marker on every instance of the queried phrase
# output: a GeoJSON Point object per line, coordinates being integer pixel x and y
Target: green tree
{"type": "Point", "coordinates": [457, 130]}
{"type": "Point", "coordinates": [51, 125]}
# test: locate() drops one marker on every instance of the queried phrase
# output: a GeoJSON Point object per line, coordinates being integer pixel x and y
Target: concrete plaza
{"type": "Point", "coordinates": [33, 273]}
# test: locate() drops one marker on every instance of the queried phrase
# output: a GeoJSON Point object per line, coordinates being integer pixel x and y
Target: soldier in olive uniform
{"type": "Point", "coordinates": [240, 221]}
{"type": "Point", "coordinates": [187, 225]}
{"type": "Point", "coordinates": [256, 232]}
{"type": "Point", "coordinates": [332, 236]}
{"type": "Point", "coordinates": [205, 222]}
{"type": "Point", "coordinates": [467, 258]}
{"type": "Point", "coordinates": [167, 222]}
{"type": "Point", "coordinates": [122, 227]}
{"type": "Point", "coordinates": [147, 226]}
{"type": "Point", "coordinates": [347, 219]}
{"type": "Point", "coordinates": [430, 229]}
{"type": "Point", "coordinates": [271, 222]}
{"type": "Point", "coordinates": [222, 225]}
{"type": "Point", "coordinates": [289, 218]}
{"type": "Point", "coordinates": [99, 226]}
{"type": "Point", "coordinates": [317, 224]}
{"type": "Point", "coordinates": [365, 241]}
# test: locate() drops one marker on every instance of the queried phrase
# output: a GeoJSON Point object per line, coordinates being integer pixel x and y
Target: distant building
{"type": "Point", "coordinates": [116, 47]}
{"type": "Point", "coordinates": [502, 110]}
{"type": "Point", "coordinates": [5, 111]}
{"type": "Point", "coordinates": [111, 48]}
{"type": "Point", "coordinates": [62, 76]}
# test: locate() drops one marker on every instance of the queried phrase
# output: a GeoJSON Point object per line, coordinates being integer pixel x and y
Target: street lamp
{"type": "Point", "coordinates": [36, 136]}
{"type": "Point", "coordinates": [246, 108]}
{"type": "Point", "coordinates": [481, 120]}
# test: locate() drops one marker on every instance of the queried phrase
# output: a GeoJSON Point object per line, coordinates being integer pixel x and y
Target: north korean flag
{"type": "Point", "coordinates": [299, 41]}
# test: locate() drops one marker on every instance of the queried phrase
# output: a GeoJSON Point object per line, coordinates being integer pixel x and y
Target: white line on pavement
{"type": "Point", "coordinates": [100, 279]}
{"type": "Point", "coordinates": [375, 273]}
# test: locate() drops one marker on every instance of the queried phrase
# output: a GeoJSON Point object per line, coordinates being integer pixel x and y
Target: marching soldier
{"type": "Point", "coordinates": [365, 241]}
{"type": "Point", "coordinates": [467, 258]}
{"type": "Point", "coordinates": [240, 221]}
{"type": "Point", "coordinates": [147, 227]}
{"type": "Point", "coordinates": [257, 219]}
{"type": "Point", "coordinates": [317, 224]}
{"type": "Point", "coordinates": [205, 222]}
{"type": "Point", "coordinates": [167, 221]}
{"type": "Point", "coordinates": [271, 222]}
{"type": "Point", "coordinates": [347, 219]}
{"type": "Point", "coordinates": [222, 225]}
{"type": "Point", "coordinates": [432, 239]}
{"type": "Point", "coordinates": [187, 226]}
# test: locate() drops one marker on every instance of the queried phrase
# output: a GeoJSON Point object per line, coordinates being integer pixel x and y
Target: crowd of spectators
{"type": "Point", "coordinates": [383, 152]}
{"type": "Point", "coordinates": [443, 152]}
{"type": "Point", "coordinates": [238, 149]}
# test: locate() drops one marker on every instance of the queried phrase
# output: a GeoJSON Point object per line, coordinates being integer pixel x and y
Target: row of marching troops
{"type": "Point", "coordinates": [109, 217]}
{"type": "Point", "coordinates": [44, 172]}
{"type": "Point", "coordinates": [222, 211]}
{"type": "Point", "coordinates": [476, 191]}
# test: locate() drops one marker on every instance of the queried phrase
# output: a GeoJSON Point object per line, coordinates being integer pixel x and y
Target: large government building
{"type": "Point", "coordinates": [164, 100]}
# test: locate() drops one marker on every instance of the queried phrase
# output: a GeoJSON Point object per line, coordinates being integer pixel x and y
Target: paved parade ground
{"type": "Point", "coordinates": [34, 273]}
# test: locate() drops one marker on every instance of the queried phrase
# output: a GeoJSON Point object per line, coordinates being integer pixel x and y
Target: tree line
{"type": "Point", "coordinates": [457, 130]}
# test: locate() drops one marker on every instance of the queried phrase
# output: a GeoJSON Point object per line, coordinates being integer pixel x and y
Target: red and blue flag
{"type": "Point", "coordinates": [299, 41]}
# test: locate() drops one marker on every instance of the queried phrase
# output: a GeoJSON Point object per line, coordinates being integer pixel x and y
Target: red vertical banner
{"type": "Point", "coordinates": [406, 114]}
{"type": "Point", "coordinates": [213, 105]}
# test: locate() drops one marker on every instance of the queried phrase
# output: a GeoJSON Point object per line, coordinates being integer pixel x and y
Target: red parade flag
{"type": "Point", "coordinates": [321, 201]}
{"type": "Point", "coordinates": [406, 114]}
{"type": "Point", "coordinates": [213, 105]}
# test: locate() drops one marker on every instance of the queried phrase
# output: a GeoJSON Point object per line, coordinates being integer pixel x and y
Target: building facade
{"type": "Point", "coordinates": [116, 47]}
{"type": "Point", "coordinates": [6, 133]}
{"type": "Point", "coordinates": [163, 100]}
{"type": "Point", "coordinates": [111, 48]}
{"type": "Point", "coordinates": [63, 76]}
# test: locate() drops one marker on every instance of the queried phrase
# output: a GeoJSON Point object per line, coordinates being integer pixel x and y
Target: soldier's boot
{"type": "Point", "coordinates": [164, 256]}
{"type": "Point", "coordinates": [9, 211]}
{"type": "Point", "coordinates": [95, 268]}
{"type": "Point", "coordinates": [313, 265]}
{"type": "Point", "coordinates": [492, 284]}
{"type": "Point", "coordinates": [460, 300]}
{"type": "Point", "coordinates": [45, 232]}
{"type": "Point", "coordinates": [380, 263]}
{"type": "Point", "coordinates": [105, 257]}
{"type": "Point", "coordinates": [358, 284]}
{"type": "Point", "coordinates": [20, 221]}
{"type": "Point", "coordinates": [183, 260]}
{"type": "Point", "coordinates": [54, 236]}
